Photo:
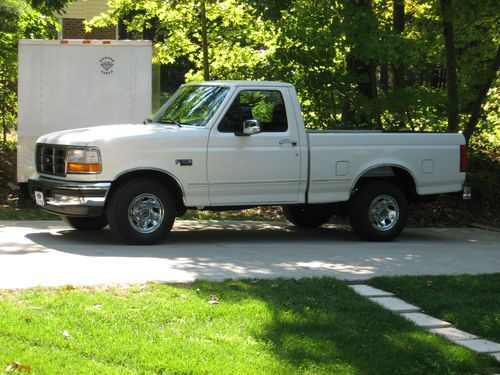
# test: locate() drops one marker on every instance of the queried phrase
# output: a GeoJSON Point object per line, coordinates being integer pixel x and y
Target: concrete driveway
{"type": "Point", "coordinates": [49, 253]}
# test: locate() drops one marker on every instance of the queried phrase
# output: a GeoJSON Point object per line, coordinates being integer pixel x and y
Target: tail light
{"type": "Point", "coordinates": [463, 158]}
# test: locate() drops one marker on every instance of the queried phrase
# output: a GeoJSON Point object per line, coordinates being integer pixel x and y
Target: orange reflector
{"type": "Point", "coordinates": [83, 168]}
{"type": "Point", "coordinates": [64, 41]}
{"type": "Point", "coordinates": [106, 42]}
{"type": "Point", "coordinates": [87, 42]}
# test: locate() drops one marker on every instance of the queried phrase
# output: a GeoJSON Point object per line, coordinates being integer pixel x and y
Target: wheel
{"type": "Point", "coordinates": [308, 216]}
{"type": "Point", "coordinates": [141, 212]}
{"type": "Point", "coordinates": [86, 223]}
{"type": "Point", "coordinates": [378, 211]}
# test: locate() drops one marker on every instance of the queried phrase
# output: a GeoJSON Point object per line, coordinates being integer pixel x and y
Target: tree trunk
{"type": "Point", "coordinates": [3, 108]}
{"type": "Point", "coordinates": [482, 91]}
{"type": "Point", "coordinates": [204, 41]}
{"type": "Point", "coordinates": [363, 72]}
{"type": "Point", "coordinates": [384, 77]}
{"type": "Point", "coordinates": [398, 26]}
{"type": "Point", "coordinates": [451, 66]}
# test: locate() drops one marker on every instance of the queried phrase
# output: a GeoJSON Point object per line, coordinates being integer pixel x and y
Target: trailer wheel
{"type": "Point", "coordinates": [141, 212]}
{"type": "Point", "coordinates": [86, 223]}
{"type": "Point", "coordinates": [378, 211]}
{"type": "Point", "coordinates": [308, 216]}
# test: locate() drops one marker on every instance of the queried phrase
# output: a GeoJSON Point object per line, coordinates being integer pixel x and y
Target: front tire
{"type": "Point", "coordinates": [141, 212]}
{"type": "Point", "coordinates": [378, 211]}
{"type": "Point", "coordinates": [308, 216]}
{"type": "Point", "coordinates": [86, 223]}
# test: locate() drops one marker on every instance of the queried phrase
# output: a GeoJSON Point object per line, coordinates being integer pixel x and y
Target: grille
{"type": "Point", "coordinates": [51, 159]}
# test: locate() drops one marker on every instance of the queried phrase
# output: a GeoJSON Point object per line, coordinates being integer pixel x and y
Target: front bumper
{"type": "Point", "coordinates": [69, 198]}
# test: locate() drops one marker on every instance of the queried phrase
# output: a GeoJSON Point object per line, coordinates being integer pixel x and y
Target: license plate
{"type": "Point", "coordinates": [39, 198]}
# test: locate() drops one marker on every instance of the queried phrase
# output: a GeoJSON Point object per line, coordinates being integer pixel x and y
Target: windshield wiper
{"type": "Point", "coordinates": [169, 120]}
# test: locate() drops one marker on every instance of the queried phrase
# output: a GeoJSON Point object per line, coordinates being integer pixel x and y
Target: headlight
{"type": "Point", "coordinates": [83, 160]}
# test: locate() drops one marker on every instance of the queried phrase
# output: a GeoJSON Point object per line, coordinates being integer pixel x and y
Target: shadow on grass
{"type": "Point", "coordinates": [471, 302]}
{"type": "Point", "coordinates": [321, 326]}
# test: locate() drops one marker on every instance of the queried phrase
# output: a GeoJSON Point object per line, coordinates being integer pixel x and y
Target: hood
{"type": "Point", "coordinates": [96, 135]}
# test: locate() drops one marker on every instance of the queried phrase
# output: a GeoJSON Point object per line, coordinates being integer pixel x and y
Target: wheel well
{"type": "Point", "coordinates": [397, 175]}
{"type": "Point", "coordinates": [162, 177]}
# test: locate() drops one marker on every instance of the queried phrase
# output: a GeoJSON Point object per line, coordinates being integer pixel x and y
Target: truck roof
{"type": "Point", "coordinates": [236, 83]}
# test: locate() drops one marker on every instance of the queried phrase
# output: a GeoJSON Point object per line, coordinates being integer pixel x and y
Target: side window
{"type": "Point", "coordinates": [264, 105]}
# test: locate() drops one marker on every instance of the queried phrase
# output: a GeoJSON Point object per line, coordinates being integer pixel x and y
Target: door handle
{"type": "Point", "coordinates": [288, 142]}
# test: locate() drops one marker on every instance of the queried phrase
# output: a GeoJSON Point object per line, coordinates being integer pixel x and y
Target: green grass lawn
{"type": "Point", "coordinates": [315, 326]}
{"type": "Point", "coordinates": [470, 302]}
{"type": "Point", "coordinates": [10, 213]}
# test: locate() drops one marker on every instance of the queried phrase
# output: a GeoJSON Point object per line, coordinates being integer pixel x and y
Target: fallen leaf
{"type": "Point", "coordinates": [66, 334]}
{"type": "Point", "coordinates": [234, 286]}
{"type": "Point", "coordinates": [28, 319]}
{"type": "Point", "coordinates": [13, 366]}
{"type": "Point", "coordinates": [214, 300]}
{"type": "Point", "coordinates": [67, 288]}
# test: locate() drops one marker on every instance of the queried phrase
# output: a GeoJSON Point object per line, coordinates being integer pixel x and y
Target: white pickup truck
{"type": "Point", "coordinates": [236, 144]}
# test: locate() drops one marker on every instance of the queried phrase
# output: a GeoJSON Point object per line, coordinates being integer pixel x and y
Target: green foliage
{"type": "Point", "coordinates": [484, 164]}
{"type": "Point", "coordinates": [351, 65]}
{"type": "Point", "coordinates": [238, 39]}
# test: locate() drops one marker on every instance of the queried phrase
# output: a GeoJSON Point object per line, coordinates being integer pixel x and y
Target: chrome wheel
{"type": "Point", "coordinates": [146, 213]}
{"type": "Point", "coordinates": [383, 212]}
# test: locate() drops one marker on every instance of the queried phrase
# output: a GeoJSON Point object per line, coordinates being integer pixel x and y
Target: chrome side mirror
{"type": "Point", "coordinates": [248, 128]}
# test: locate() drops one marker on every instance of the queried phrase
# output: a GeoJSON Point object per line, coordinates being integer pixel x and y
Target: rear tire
{"type": "Point", "coordinates": [378, 211]}
{"type": "Point", "coordinates": [308, 216]}
{"type": "Point", "coordinates": [141, 212]}
{"type": "Point", "coordinates": [86, 223]}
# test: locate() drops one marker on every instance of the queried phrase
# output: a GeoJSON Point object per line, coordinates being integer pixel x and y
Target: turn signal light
{"type": "Point", "coordinates": [83, 168]}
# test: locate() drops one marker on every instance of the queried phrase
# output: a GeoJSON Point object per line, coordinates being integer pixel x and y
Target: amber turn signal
{"type": "Point", "coordinates": [83, 168]}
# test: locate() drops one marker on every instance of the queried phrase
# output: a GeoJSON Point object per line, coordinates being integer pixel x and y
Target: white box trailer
{"type": "Point", "coordinates": [65, 84]}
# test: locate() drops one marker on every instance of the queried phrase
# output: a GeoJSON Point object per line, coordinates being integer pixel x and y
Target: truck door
{"type": "Point", "coordinates": [260, 168]}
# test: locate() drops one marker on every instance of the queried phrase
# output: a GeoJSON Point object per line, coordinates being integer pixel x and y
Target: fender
{"type": "Point", "coordinates": [382, 164]}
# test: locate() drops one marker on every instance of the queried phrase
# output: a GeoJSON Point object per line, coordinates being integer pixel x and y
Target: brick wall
{"type": "Point", "coordinates": [73, 28]}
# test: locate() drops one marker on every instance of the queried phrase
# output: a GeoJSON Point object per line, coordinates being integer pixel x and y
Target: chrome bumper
{"type": "Point", "coordinates": [467, 192]}
{"type": "Point", "coordinates": [69, 198]}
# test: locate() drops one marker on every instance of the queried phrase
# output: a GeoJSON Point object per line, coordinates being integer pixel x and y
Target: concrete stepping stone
{"type": "Point", "coordinates": [480, 345]}
{"type": "Point", "coordinates": [453, 334]}
{"type": "Point", "coordinates": [395, 305]}
{"type": "Point", "coordinates": [368, 291]}
{"type": "Point", "coordinates": [425, 321]}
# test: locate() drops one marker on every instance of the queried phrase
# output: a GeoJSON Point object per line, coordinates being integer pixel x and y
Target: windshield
{"type": "Point", "coordinates": [195, 105]}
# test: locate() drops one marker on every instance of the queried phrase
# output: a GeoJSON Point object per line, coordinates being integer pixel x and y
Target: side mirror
{"type": "Point", "coordinates": [248, 128]}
